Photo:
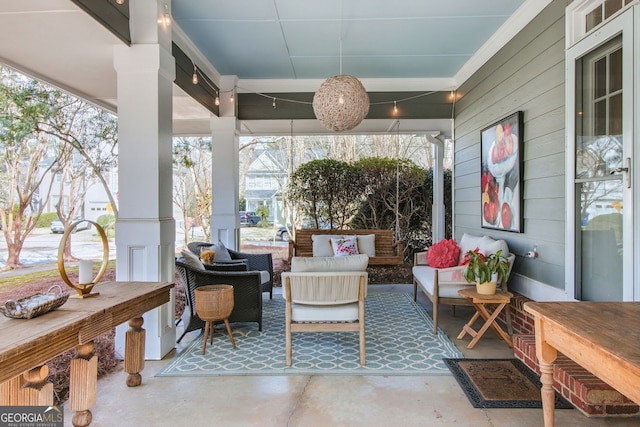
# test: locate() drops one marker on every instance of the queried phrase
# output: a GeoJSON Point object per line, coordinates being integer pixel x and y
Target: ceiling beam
{"type": "Point", "coordinates": [298, 105]}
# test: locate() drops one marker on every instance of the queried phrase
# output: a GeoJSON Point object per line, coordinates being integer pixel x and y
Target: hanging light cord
{"type": "Point", "coordinates": [340, 37]}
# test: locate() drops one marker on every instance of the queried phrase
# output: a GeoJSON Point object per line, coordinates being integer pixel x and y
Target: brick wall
{"type": "Point", "coordinates": [587, 393]}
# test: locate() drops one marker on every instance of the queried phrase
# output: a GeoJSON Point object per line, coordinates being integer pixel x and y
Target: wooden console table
{"type": "Point", "coordinates": [26, 345]}
{"type": "Point", "coordinates": [603, 337]}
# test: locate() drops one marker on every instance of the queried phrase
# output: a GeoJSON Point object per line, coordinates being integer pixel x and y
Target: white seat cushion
{"type": "Point", "coordinates": [425, 276]}
{"type": "Point", "coordinates": [350, 263]}
{"type": "Point", "coordinates": [264, 276]}
{"type": "Point", "coordinates": [324, 313]}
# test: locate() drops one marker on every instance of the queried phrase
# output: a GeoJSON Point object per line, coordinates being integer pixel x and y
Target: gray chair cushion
{"type": "Point", "coordinates": [192, 260]}
{"type": "Point", "coordinates": [222, 254]}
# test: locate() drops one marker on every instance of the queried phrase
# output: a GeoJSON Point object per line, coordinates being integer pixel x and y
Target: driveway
{"type": "Point", "coordinates": [41, 247]}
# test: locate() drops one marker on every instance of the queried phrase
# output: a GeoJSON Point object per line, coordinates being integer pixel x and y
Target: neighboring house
{"type": "Point", "coordinates": [97, 202]}
{"type": "Point", "coordinates": [266, 177]}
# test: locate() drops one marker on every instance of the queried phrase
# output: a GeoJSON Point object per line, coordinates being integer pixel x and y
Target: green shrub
{"type": "Point", "coordinates": [263, 212]}
{"type": "Point", "coordinates": [108, 223]}
{"type": "Point", "coordinates": [46, 219]}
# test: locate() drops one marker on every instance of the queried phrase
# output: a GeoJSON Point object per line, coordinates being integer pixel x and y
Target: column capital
{"type": "Point", "coordinates": [148, 23]}
{"type": "Point", "coordinates": [144, 58]}
{"type": "Point", "coordinates": [224, 124]}
{"type": "Point", "coordinates": [228, 89]}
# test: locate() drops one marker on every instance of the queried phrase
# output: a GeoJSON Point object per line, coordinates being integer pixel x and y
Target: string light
{"type": "Point", "coordinates": [395, 107]}
{"type": "Point", "coordinates": [231, 98]}
{"type": "Point", "coordinates": [274, 104]}
{"type": "Point", "coordinates": [120, 1]}
{"type": "Point", "coordinates": [194, 79]}
{"type": "Point", "coordinates": [166, 17]}
{"type": "Point", "coordinates": [297, 101]}
{"type": "Point", "coordinates": [217, 100]}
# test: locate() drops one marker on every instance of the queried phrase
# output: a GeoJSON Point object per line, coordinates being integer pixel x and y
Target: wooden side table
{"type": "Point", "coordinates": [479, 301]}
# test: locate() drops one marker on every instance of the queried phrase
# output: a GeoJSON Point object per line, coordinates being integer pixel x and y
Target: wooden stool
{"type": "Point", "coordinates": [214, 303]}
{"type": "Point", "coordinates": [501, 298]}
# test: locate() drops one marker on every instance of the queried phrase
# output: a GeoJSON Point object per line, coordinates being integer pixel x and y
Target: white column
{"type": "Point", "coordinates": [145, 229]}
{"type": "Point", "coordinates": [437, 209]}
{"type": "Point", "coordinates": [225, 224]}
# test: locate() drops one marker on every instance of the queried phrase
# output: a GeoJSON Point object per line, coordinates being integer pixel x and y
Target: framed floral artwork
{"type": "Point", "coordinates": [501, 174]}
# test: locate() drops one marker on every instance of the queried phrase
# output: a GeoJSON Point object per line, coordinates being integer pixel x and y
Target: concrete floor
{"type": "Point", "coordinates": [321, 401]}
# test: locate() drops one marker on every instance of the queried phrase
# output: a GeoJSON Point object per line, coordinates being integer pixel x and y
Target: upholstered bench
{"type": "Point", "coordinates": [441, 285]}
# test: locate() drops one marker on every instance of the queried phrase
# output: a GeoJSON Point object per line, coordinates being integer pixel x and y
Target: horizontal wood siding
{"type": "Point", "coordinates": [527, 74]}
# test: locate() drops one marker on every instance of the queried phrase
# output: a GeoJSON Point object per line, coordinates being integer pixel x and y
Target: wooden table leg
{"type": "Point", "coordinates": [546, 356]}
{"type": "Point", "coordinates": [83, 384]}
{"type": "Point", "coordinates": [233, 343]}
{"type": "Point", "coordinates": [28, 389]}
{"type": "Point", "coordinates": [493, 324]}
{"type": "Point", "coordinates": [468, 327]}
{"type": "Point", "coordinates": [489, 319]}
{"type": "Point", "coordinates": [36, 390]}
{"type": "Point", "coordinates": [134, 351]}
{"type": "Point", "coordinates": [9, 391]}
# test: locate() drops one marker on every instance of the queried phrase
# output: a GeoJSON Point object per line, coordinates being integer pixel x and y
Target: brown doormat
{"type": "Point", "coordinates": [499, 383]}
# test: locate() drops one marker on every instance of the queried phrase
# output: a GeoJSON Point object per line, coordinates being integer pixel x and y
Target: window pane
{"type": "Point", "coordinates": [601, 237]}
{"type": "Point", "coordinates": [600, 118]}
{"type": "Point", "coordinates": [615, 115]}
{"type": "Point", "coordinates": [615, 71]}
{"type": "Point", "coordinates": [611, 7]}
{"type": "Point", "coordinates": [593, 18]}
{"type": "Point", "coordinates": [596, 157]}
{"type": "Point", "coordinates": [600, 78]}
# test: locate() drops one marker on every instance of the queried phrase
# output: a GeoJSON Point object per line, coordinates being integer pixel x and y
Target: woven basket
{"type": "Point", "coordinates": [486, 288]}
{"type": "Point", "coordinates": [214, 302]}
{"type": "Point", "coordinates": [34, 305]}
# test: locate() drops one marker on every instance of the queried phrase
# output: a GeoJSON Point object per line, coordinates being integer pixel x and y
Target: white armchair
{"type": "Point", "coordinates": [325, 295]}
{"type": "Point", "coordinates": [441, 285]}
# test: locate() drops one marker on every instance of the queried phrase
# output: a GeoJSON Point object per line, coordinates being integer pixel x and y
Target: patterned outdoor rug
{"type": "Point", "coordinates": [499, 383]}
{"type": "Point", "coordinates": [399, 335]}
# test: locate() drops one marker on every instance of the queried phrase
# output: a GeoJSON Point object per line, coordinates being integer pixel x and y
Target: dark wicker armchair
{"type": "Point", "coordinates": [259, 262]}
{"type": "Point", "coordinates": [247, 294]}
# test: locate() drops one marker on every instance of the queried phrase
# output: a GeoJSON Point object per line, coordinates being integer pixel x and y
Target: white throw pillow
{"type": "Point", "coordinates": [332, 264]}
{"type": "Point", "coordinates": [491, 246]}
{"type": "Point", "coordinates": [367, 244]}
{"type": "Point", "coordinates": [344, 246]}
{"type": "Point", "coordinates": [469, 242]}
{"type": "Point", "coordinates": [321, 244]}
{"type": "Point", "coordinates": [191, 260]}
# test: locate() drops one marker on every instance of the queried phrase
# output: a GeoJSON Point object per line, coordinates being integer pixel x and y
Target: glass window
{"type": "Point", "coordinates": [593, 18]}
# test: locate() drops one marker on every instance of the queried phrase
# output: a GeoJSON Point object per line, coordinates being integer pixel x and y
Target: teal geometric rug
{"type": "Point", "coordinates": [399, 341]}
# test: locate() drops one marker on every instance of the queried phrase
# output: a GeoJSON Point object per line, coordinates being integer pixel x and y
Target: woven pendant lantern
{"type": "Point", "coordinates": [341, 103]}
